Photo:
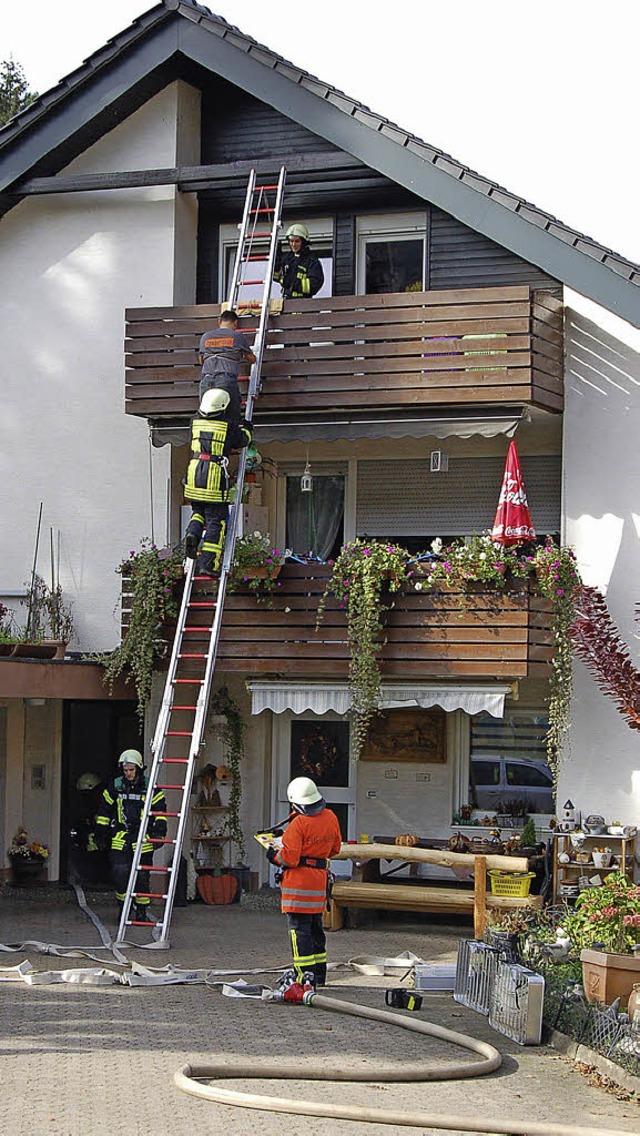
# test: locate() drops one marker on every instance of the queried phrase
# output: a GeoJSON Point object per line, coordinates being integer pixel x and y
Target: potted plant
{"type": "Point", "coordinates": [28, 859]}
{"type": "Point", "coordinates": [361, 574]}
{"type": "Point", "coordinates": [153, 575]}
{"type": "Point", "coordinates": [605, 926]}
{"type": "Point", "coordinates": [48, 628]}
{"type": "Point", "coordinates": [257, 564]}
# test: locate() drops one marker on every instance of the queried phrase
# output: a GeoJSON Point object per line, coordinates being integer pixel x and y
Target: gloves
{"type": "Point", "coordinates": [271, 855]}
{"type": "Point", "coordinates": [103, 838]}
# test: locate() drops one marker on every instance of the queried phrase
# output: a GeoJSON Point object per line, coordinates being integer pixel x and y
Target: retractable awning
{"type": "Point", "coordinates": [340, 427]}
{"type": "Point", "coordinates": [318, 697]}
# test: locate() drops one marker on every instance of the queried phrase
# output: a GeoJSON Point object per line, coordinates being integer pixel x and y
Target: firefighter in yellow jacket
{"type": "Point", "coordinates": [309, 841]}
{"type": "Point", "coordinates": [118, 826]}
{"type": "Point", "coordinates": [213, 436]}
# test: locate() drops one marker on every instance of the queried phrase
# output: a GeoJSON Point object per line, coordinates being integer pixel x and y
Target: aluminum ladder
{"type": "Point", "coordinates": [261, 221]}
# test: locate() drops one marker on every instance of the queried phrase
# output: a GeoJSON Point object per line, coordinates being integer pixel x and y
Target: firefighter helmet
{"type": "Point", "coordinates": [302, 792]}
{"type": "Point", "coordinates": [87, 781]}
{"type": "Point", "coordinates": [131, 757]}
{"type": "Point", "coordinates": [297, 231]}
{"type": "Point", "coordinates": [214, 401]}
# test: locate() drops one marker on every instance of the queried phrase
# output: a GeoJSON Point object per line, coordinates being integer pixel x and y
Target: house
{"type": "Point", "coordinates": [454, 315]}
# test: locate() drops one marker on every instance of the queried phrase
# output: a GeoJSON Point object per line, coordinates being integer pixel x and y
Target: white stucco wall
{"type": "Point", "coordinates": [71, 264]}
{"type": "Point", "coordinates": [601, 509]}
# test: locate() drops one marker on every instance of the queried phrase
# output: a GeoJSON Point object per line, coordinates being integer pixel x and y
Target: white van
{"type": "Point", "coordinates": [493, 780]}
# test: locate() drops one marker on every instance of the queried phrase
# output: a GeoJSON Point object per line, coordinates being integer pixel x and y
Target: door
{"type": "Point", "coordinates": [317, 747]}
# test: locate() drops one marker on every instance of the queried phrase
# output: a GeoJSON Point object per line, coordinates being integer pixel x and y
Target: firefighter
{"type": "Point", "coordinates": [223, 350]}
{"type": "Point", "coordinates": [298, 271]}
{"type": "Point", "coordinates": [311, 838]}
{"type": "Point", "coordinates": [118, 824]}
{"type": "Point", "coordinates": [213, 436]}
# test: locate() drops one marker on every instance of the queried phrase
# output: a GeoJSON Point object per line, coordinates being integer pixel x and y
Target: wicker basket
{"type": "Point", "coordinates": [511, 883]}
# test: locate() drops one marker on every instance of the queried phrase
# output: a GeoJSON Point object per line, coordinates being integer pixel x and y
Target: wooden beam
{"type": "Point", "coordinates": [189, 178]}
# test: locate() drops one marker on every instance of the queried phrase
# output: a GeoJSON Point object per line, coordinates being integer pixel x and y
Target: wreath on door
{"type": "Point", "coordinates": [318, 756]}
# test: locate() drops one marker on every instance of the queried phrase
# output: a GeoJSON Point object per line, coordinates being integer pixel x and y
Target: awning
{"type": "Point", "coordinates": [318, 697]}
{"type": "Point", "coordinates": [349, 427]}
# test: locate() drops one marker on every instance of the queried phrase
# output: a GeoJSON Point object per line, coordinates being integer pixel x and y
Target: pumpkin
{"type": "Point", "coordinates": [224, 773]}
{"type": "Point", "coordinates": [216, 890]}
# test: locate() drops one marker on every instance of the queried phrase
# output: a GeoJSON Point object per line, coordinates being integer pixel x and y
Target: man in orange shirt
{"type": "Point", "coordinates": [312, 837]}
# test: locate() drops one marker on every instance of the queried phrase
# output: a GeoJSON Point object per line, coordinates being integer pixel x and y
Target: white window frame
{"type": "Point", "coordinates": [385, 227]}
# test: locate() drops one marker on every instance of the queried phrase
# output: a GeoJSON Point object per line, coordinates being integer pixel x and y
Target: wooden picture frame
{"type": "Point", "coordinates": [408, 735]}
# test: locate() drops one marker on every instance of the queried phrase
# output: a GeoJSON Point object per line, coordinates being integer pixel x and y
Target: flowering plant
{"type": "Point", "coordinates": [359, 575]}
{"type": "Point", "coordinates": [474, 559]}
{"type": "Point", "coordinates": [607, 916]}
{"type": "Point", "coordinates": [22, 848]}
{"type": "Point", "coordinates": [254, 553]}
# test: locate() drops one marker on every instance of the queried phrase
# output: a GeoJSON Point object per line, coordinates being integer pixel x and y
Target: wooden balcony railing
{"type": "Point", "coordinates": [436, 634]}
{"type": "Point", "coordinates": [478, 346]}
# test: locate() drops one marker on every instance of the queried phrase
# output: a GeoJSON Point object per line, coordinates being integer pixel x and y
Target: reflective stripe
{"type": "Point", "coordinates": [308, 893]}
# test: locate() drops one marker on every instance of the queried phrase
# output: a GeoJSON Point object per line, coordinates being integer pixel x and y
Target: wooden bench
{"type": "Point", "coordinates": [472, 900]}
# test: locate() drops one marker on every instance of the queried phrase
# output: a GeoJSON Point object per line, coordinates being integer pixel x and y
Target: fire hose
{"type": "Point", "coordinates": [189, 1079]}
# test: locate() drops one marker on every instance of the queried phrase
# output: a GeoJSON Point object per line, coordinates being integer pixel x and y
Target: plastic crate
{"type": "Point", "coordinates": [510, 883]}
{"type": "Point", "coordinates": [434, 976]}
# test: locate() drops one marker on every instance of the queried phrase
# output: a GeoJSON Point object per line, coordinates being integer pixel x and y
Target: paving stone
{"type": "Point", "coordinates": [85, 1061]}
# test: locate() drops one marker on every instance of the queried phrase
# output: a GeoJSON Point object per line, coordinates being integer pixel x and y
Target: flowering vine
{"type": "Point", "coordinates": [360, 574]}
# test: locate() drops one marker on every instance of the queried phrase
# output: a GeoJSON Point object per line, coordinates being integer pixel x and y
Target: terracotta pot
{"type": "Point", "coordinates": [607, 976]}
{"type": "Point", "coordinates": [264, 573]}
{"type": "Point", "coordinates": [47, 649]}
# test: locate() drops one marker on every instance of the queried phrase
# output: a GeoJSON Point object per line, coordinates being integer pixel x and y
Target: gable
{"type": "Point", "coordinates": [180, 34]}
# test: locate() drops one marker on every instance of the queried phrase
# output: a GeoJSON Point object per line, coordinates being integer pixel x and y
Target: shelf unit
{"type": "Point", "coordinates": [208, 848]}
{"type": "Point", "coordinates": [623, 852]}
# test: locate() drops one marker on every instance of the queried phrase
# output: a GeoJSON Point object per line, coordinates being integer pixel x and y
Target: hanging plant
{"type": "Point", "coordinates": [362, 572]}
{"type": "Point", "coordinates": [232, 737]}
{"type": "Point", "coordinates": [152, 574]}
{"type": "Point", "coordinates": [558, 581]}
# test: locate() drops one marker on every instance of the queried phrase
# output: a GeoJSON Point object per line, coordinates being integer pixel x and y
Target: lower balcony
{"type": "Point", "coordinates": [441, 634]}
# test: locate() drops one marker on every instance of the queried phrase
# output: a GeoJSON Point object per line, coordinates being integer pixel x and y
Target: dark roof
{"type": "Point", "coordinates": [143, 58]}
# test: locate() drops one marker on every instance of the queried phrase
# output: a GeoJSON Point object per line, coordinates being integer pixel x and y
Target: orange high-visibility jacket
{"type": "Point", "coordinates": [304, 889]}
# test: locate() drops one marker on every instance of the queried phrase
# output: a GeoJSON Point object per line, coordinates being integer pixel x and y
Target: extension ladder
{"type": "Point", "coordinates": [181, 721]}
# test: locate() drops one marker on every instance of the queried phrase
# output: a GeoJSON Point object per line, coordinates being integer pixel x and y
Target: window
{"type": "Point", "coordinates": [315, 520]}
{"type": "Point", "coordinates": [392, 250]}
{"type": "Point", "coordinates": [508, 761]}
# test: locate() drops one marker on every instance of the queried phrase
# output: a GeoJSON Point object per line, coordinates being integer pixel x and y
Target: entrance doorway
{"type": "Point", "coordinates": [93, 736]}
{"type": "Point", "coordinates": [317, 747]}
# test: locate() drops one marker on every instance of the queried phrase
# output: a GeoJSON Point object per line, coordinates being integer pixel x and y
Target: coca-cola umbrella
{"type": "Point", "coordinates": [513, 523]}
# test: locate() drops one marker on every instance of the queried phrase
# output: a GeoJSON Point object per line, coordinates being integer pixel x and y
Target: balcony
{"type": "Point", "coordinates": [405, 352]}
{"type": "Point", "coordinates": [439, 634]}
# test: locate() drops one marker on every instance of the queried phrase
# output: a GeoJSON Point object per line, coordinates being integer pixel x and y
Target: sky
{"type": "Point", "coordinates": [538, 97]}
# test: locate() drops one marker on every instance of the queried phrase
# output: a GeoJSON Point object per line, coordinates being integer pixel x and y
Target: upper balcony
{"type": "Point", "coordinates": [402, 351]}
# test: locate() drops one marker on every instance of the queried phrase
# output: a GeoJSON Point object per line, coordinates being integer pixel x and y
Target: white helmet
{"type": "Point", "coordinates": [297, 231]}
{"type": "Point", "coordinates": [131, 757]}
{"type": "Point", "coordinates": [302, 792]}
{"type": "Point", "coordinates": [215, 400]}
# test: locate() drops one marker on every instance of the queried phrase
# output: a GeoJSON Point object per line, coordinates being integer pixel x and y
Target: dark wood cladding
{"type": "Point", "coordinates": [436, 634]}
{"type": "Point", "coordinates": [478, 346]}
